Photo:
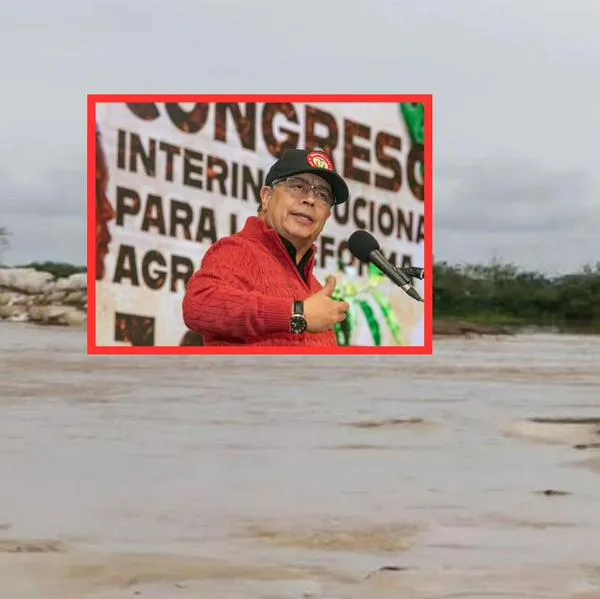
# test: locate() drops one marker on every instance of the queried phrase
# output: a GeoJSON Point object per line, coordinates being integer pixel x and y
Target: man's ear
{"type": "Point", "coordinates": [265, 196]}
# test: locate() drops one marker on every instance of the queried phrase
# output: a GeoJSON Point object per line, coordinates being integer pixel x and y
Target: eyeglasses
{"type": "Point", "coordinates": [300, 188]}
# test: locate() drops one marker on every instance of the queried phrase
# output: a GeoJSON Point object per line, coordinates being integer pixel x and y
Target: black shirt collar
{"type": "Point", "coordinates": [303, 264]}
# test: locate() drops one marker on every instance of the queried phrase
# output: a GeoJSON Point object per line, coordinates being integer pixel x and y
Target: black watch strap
{"type": "Point", "coordinates": [299, 308]}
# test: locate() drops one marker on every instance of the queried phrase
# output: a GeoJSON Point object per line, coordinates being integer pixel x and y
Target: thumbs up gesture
{"type": "Point", "coordinates": [322, 312]}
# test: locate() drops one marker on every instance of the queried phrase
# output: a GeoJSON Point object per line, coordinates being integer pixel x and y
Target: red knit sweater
{"type": "Point", "coordinates": [243, 293]}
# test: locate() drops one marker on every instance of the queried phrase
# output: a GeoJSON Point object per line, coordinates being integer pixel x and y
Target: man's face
{"type": "Point", "coordinates": [104, 211]}
{"type": "Point", "coordinates": [297, 212]}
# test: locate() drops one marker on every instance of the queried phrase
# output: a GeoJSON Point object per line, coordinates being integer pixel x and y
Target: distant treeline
{"type": "Point", "coordinates": [59, 270]}
{"type": "Point", "coordinates": [501, 294]}
{"type": "Point", "coordinates": [505, 294]}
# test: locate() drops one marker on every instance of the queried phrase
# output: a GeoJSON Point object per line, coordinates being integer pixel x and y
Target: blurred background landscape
{"type": "Point", "coordinates": [494, 298]}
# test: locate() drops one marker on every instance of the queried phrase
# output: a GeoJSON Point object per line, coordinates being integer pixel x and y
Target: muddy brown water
{"type": "Point", "coordinates": [264, 478]}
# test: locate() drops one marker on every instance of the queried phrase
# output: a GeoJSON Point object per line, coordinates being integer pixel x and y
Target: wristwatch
{"type": "Point", "coordinates": [298, 322]}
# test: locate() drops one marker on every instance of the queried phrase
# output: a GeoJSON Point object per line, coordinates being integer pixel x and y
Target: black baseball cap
{"type": "Point", "coordinates": [295, 162]}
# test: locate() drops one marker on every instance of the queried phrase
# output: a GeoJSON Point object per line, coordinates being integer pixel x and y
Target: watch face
{"type": "Point", "coordinates": [298, 324]}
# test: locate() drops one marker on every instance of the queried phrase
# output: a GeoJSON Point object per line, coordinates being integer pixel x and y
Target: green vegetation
{"type": "Point", "coordinates": [59, 270]}
{"type": "Point", "coordinates": [503, 294]}
{"type": "Point", "coordinates": [493, 295]}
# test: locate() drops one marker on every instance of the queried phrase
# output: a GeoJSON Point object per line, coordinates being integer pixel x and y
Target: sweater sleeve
{"type": "Point", "coordinates": [219, 299]}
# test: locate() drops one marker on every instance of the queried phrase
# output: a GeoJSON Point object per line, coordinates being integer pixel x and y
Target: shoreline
{"type": "Point", "coordinates": [29, 295]}
{"type": "Point", "coordinates": [36, 296]}
{"type": "Point", "coordinates": [464, 327]}
{"type": "Point", "coordinates": [447, 327]}
{"type": "Point", "coordinates": [65, 317]}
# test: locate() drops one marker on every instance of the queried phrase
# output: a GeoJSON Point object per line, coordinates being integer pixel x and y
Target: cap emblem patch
{"type": "Point", "coordinates": [320, 160]}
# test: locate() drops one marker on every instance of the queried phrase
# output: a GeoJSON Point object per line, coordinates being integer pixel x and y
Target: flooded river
{"type": "Point", "coordinates": [281, 478]}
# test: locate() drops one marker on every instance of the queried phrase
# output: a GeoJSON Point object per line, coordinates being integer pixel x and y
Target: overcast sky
{"type": "Point", "coordinates": [515, 83]}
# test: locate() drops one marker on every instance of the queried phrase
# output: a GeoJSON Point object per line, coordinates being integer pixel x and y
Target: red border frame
{"type": "Point", "coordinates": [94, 349]}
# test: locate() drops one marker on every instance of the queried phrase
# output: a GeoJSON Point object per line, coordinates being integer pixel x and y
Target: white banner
{"type": "Point", "coordinates": [182, 176]}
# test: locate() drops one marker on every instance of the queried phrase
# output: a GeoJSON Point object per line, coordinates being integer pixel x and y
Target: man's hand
{"type": "Point", "coordinates": [322, 312]}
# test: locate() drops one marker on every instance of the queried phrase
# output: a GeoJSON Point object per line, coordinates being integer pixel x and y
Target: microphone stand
{"type": "Point", "coordinates": [414, 272]}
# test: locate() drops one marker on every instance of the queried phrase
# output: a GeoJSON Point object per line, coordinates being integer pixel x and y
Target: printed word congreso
{"type": "Point", "coordinates": [369, 156]}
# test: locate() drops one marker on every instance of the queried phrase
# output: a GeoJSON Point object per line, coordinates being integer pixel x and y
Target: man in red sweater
{"type": "Point", "coordinates": [257, 287]}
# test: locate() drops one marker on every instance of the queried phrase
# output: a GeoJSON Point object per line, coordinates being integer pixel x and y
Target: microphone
{"type": "Point", "coordinates": [365, 247]}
